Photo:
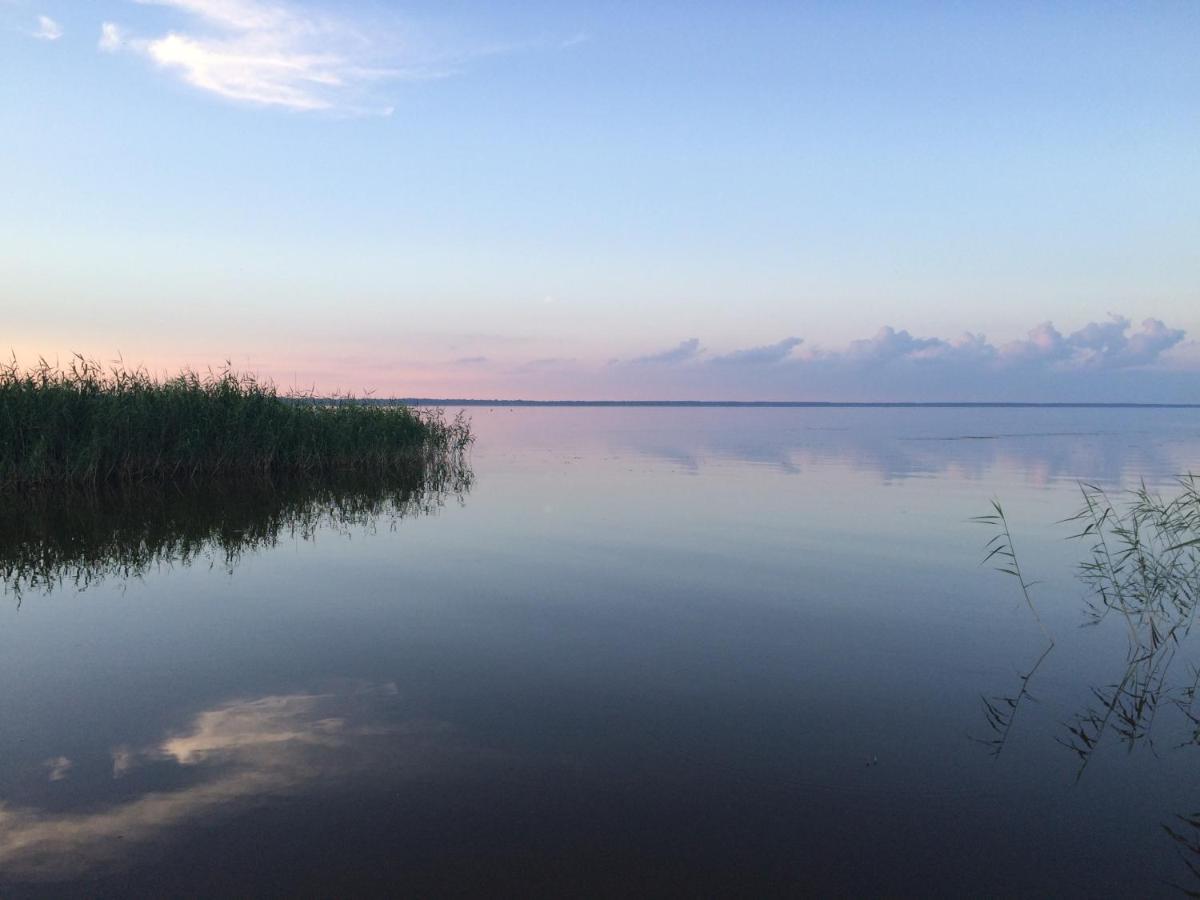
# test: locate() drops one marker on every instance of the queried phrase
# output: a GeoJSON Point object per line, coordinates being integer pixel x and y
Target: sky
{"type": "Point", "coordinates": [606, 200]}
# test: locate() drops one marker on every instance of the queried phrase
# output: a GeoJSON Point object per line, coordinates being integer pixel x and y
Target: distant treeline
{"type": "Point", "coordinates": [87, 426]}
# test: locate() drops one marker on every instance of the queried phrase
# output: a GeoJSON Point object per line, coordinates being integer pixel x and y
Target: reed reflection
{"type": "Point", "coordinates": [53, 538]}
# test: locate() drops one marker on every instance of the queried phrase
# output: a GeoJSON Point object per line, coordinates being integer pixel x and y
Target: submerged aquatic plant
{"type": "Point", "coordinates": [91, 427]}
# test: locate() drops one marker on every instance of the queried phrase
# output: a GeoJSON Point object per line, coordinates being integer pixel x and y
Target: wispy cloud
{"type": "Point", "coordinates": [575, 40]}
{"type": "Point", "coordinates": [274, 54]}
{"type": "Point", "coordinates": [48, 29]}
{"type": "Point", "coordinates": [682, 352]}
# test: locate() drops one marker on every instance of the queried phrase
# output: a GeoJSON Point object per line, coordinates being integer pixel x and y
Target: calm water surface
{"type": "Point", "coordinates": [652, 650]}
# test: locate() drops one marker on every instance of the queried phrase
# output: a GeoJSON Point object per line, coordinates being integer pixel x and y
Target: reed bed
{"type": "Point", "coordinates": [86, 426]}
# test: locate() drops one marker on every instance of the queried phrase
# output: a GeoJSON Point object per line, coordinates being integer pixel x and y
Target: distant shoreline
{"type": "Point", "coordinates": [760, 404]}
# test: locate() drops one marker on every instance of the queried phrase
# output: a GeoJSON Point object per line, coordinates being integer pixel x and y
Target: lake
{"type": "Point", "coordinates": [636, 651]}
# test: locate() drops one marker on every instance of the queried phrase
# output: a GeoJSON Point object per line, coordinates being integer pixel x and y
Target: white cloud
{"type": "Point", "coordinates": [48, 29]}
{"type": "Point", "coordinates": [273, 54]}
{"type": "Point", "coordinates": [240, 14]}
{"type": "Point", "coordinates": [111, 37]}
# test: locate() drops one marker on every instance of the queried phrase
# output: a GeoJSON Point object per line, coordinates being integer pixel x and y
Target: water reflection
{"type": "Point", "coordinates": [1046, 445]}
{"type": "Point", "coordinates": [231, 755]}
{"type": "Point", "coordinates": [610, 673]}
{"type": "Point", "coordinates": [1000, 711]}
{"type": "Point", "coordinates": [1184, 830]}
{"type": "Point", "coordinates": [49, 538]}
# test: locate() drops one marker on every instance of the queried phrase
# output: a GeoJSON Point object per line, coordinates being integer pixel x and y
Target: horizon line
{"type": "Point", "coordinates": [761, 404]}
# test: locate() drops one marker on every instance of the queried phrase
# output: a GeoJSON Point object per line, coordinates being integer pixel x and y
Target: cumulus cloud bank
{"type": "Point", "coordinates": [1111, 360]}
{"type": "Point", "coordinates": [1098, 345]}
{"type": "Point", "coordinates": [271, 54]}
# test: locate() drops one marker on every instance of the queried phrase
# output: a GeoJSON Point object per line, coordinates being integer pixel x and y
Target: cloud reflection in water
{"type": "Point", "coordinates": [229, 757]}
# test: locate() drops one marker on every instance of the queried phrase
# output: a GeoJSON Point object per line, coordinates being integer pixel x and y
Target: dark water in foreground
{"type": "Point", "coordinates": [648, 651]}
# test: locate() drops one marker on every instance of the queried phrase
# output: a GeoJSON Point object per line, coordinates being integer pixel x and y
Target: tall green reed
{"type": "Point", "coordinates": [88, 426]}
{"type": "Point", "coordinates": [1142, 566]}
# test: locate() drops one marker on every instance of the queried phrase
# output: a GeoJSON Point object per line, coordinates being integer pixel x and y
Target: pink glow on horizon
{"type": "Point", "coordinates": [1113, 360]}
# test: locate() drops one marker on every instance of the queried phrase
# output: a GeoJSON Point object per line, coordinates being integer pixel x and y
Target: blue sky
{"type": "Point", "coordinates": [559, 199]}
